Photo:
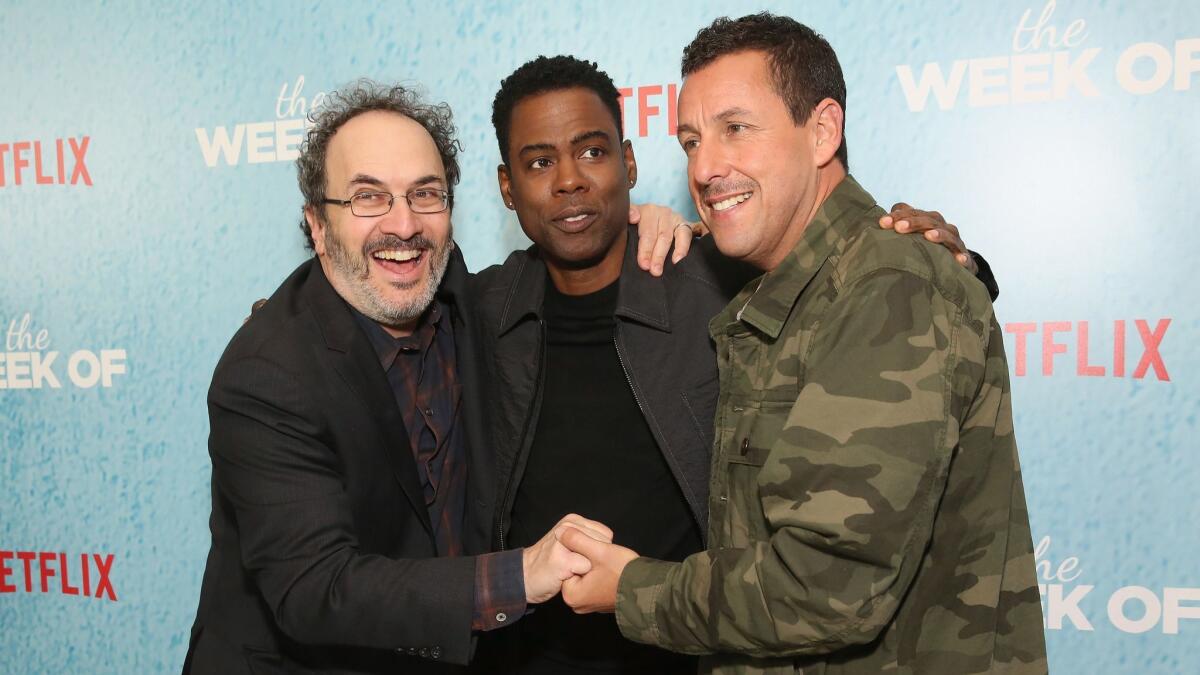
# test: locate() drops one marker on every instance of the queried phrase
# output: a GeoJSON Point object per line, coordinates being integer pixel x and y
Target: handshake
{"type": "Point", "coordinates": [578, 558]}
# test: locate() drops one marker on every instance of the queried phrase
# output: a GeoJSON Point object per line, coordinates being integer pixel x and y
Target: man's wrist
{"type": "Point", "coordinates": [499, 589]}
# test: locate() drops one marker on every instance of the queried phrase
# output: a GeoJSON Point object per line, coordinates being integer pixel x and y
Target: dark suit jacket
{"type": "Point", "coordinates": [323, 558]}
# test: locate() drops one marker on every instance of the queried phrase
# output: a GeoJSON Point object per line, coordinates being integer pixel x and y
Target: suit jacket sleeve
{"type": "Point", "coordinates": [272, 462]}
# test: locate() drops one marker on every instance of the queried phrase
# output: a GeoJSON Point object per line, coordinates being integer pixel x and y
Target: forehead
{"type": "Point", "coordinates": [386, 145]}
{"type": "Point", "coordinates": [546, 116]}
{"type": "Point", "coordinates": [741, 79]}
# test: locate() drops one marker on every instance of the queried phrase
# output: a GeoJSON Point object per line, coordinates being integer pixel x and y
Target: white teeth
{"type": "Point", "coordinates": [398, 256]}
{"type": "Point", "coordinates": [576, 219]}
{"type": "Point", "coordinates": [732, 201]}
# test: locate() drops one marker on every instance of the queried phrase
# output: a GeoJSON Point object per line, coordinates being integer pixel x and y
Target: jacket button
{"type": "Point", "coordinates": [745, 445]}
{"type": "Point", "coordinates": [423, 652]}
{"type": "Point", "coordinates": [435, 653]}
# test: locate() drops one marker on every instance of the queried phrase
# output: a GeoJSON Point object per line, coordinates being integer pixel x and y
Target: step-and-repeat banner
{"type": "Point", "coordinates": [148, 196]}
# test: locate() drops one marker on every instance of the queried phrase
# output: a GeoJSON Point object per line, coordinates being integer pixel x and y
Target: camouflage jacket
{"type": "Point", "coordinates": [866, 512]}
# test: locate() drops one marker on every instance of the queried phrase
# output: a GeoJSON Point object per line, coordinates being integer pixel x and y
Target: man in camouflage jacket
{"type": "Point", "coordinates": [866, 507]}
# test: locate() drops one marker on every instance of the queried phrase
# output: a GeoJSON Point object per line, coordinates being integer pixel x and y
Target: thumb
{"type": "Point", "coordinates": [634, 215]}
{"type": "Point", "coordinates": [582, 544]}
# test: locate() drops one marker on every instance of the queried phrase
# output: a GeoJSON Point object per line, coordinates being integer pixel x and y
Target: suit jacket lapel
{"type": "Point", "coordinates": [356, 362]}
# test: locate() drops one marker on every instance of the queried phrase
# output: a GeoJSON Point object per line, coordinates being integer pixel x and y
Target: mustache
{"type": "Point", "coordinates": [395, 242]}
{"type": "Point", "coordinates": [728, 186]}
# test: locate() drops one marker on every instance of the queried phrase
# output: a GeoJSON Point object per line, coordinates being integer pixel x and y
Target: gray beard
{"type": "Point", "coordinates": [355, 271]}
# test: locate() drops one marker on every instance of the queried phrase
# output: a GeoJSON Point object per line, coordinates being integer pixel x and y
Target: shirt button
{"type": "Point", "coordinates": [501, 617]}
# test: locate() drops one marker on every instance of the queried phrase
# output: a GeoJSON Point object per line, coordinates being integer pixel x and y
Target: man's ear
{"type": "Point", "coordinates": [317, 226]}
{"type": "Point", "coordinates": [505, 181]}
{"type": "Point", "coordinates": [828, 120]}
{"type": "Point", "coordinates": [630, 163]}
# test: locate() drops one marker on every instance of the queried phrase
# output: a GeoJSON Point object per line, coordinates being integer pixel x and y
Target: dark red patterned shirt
{"type": "Point", "coordinates": [421, 371]}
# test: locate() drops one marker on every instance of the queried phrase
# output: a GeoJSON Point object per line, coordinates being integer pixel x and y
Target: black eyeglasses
{"type": "Point", "coordinates": [420, 200]}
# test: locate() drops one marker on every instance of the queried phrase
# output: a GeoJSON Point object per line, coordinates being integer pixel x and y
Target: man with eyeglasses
{"type": "Point", "coordinates": [352, 478]}
{"type": "Point", "coordinates": [348, 459]}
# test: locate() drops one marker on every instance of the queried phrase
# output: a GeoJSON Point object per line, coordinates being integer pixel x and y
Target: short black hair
{"type": "Point", "coordinates": [551, 73]}
{"type": "Point", "coordinates": [804, 68]}
{"type": "Point", "coordinates": [345, 104]}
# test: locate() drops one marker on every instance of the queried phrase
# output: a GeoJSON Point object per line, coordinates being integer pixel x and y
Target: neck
{"type": "Point", "coordinates": [828, 178]}
{"type": "Point", "coordinates": [584, 280]}
{"type": "Point", "coordinates": [402, 330]}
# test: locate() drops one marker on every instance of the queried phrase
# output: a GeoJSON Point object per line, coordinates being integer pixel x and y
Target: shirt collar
{"type": "Point", "coordinates": [387, 347]}
{"type": "Point", "coordinates": [768, 307]}
{"type": "Point", "coordinates": [640, 297]}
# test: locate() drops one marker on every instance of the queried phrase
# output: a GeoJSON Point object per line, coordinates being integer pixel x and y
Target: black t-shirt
{"type": "Point", "coordinates": [594, 455]}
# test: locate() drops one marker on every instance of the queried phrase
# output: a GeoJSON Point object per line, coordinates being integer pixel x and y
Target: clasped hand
{"type": "Point", "coordinates": [578, 558]}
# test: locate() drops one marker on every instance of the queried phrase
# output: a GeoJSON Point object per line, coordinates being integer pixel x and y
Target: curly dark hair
{"type": "Point", "coordinates": [804, 68]}
{"type": "Point", "coordinates": [344, 105]}
{"type": "Point", "coordinates": [552, 73]}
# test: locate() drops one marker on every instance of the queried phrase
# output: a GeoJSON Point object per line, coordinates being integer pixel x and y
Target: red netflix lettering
{"type": "Point", "coordinates": [47, 572]}
{"type": "Point", "coordinates": [105, 586]}
{"type": "Point", "coordinates": [1020, 330]}
{"type": "Point", "coordinates": [37, 160]}
{"type": "Point", "coordinates": [1118, 348]}
{"type": "Point", "coordinates": [44, 566]}
{"type": "Point", "coordinates": [648, 106]}
{"type": "Point", "coordinates": [5, 573]}
{"type": "Point", "coordinates": [645, 110]}
{"type": "Point", "coordinates": [1049, 346]}
{"type": "Point", "coordinates": [1081, 353]}
{"type": "Point", "coordinates": [87, 577]}
{"type": "Point", "coordinates": [80, 167]}
{"type": "Point", "coordinates": [1151, 359]}
{"type": "Point", "coordinates": [67, 588]}
{"type": "Point", "coordinates": [45, 173]}
{"type": "Point", "coordinates": [27, 557]}
{"type": "Point", "coordinates": [1150, 356]}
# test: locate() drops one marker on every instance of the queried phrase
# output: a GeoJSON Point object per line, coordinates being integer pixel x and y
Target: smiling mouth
{"type": "Point", "coordinates": [399, 261]}
{"type": "Point", "coordinates": [729, 203]}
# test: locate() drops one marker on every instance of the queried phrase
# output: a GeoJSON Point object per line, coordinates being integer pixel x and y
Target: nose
{"type": "Point", "coordinates": [708, 163]}
{"type": "Point", "coordinates": [569, 179]}
{"type": "Point", "coordinates": [401, 221]}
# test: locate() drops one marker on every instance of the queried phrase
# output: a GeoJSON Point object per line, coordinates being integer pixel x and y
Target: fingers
{"type": "Point", "coordinates": [580, 543]}
{"type": "Point", "coordinates": [683, 241]}
{"type": "Point", "coordinates": [899, 211]}
{"type": "Point", "coordinates": [593, 528]}
{"type": "Point", "coordinates": [574, 564]}
{"type": "Point", "coordinates": [657, 231]}
{"type": "Point", "coordinates": [662, 246]}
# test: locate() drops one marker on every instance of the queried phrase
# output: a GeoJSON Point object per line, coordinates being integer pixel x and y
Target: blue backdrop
{"type": "Point", "coordinates": [147, 196]}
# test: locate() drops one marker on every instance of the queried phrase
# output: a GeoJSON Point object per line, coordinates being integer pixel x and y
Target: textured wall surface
{"type": "Point", "coordinates": [1064, 143]}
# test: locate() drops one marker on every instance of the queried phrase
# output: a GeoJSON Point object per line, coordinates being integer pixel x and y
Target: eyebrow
{"type": "Point", "coordinates": [575, 140]}
{"type": "Point", "coordinates": [722, 116]}
{"type": "Point", "coordinates": [366, 179]}
{"type": "Point", "coordinates": [589, 135]}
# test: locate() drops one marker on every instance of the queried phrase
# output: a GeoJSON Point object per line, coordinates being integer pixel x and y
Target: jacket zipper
{"type": "Point", "coordinates": [526, 439]}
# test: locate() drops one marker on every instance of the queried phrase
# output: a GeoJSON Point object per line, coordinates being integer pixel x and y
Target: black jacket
{"type": "Point", "coordinates": [662, 341]}
{"type": "Point", "coordinates": [323, 558]}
